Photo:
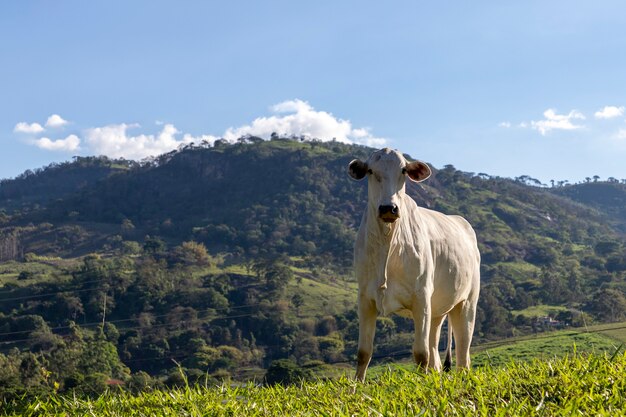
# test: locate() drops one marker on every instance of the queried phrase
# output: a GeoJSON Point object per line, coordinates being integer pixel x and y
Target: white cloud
{"type": "Point", "coordinates": [291, 106]}
{"type": "Point", "coordinates": [24, 127]}
{"type": "Point", "coordinates": [609, 112]}
{"type": "Point", "coordinates": [292, 117]}
{"type": "Point", "coordinates": [554, 121]}
{"type": "Point", "coordinates": [55, 121]}
{"type": "Point", "coordinates": [69, 144]}
{"type": "Point", "coordinates": [297, 117]}
{"type": "Point", "coordinates": [114, 141]}
{"type": "Point", "coordinates": [505, 124]}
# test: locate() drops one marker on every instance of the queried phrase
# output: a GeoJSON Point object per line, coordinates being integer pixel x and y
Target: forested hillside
{"type": "Point", "coordinates": [225, 258]}
{"type": "Point", "coordinates": [608, 197]}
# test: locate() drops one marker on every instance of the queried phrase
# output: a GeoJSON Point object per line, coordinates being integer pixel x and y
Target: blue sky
{"type": "Point", "coordinates": [504, 88]}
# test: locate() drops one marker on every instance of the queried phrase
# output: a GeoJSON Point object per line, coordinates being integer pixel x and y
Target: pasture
{"type": "Point", "coordinates": [574, 385]}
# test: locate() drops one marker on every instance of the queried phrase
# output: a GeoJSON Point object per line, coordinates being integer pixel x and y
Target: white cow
{"type": "Point", "coordinates": [412, 261]}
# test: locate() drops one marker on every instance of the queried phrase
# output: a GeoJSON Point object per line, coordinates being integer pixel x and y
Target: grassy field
{"type": "Point", "coordinates": [578, 385]}
{"type": "Point", "coordinates": [566, 372]}
{"type": "Point", "coordinates": [541, 310]}
{"type": "Point", "coordinates": [599, 340]}
{"type": "Point", "coordinates": [616, 331]}
{"type": "Point", "coordinates": [549, 346]}
{"type": "Point", "coordinates": [323, 298]}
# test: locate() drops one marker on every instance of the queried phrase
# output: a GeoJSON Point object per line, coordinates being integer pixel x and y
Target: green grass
{"type": "Point", "coordinates": [41, 270]}
{"type": "Point", "coordinates": [541, 310]}
{"type": "Point", "coordinates": [323, 298]}
{"type": "Point", "coordinates": [616, 331]}
{"type": "Point", "coordinates": [321, 295]}
{"type": "Point", "coordinates": [578, 385]}
{"type": "Point", "coordinates": [519, 271]}
{"type": "Point", "coordinates": [547, 346]}
{"type": "Point", "coordinates": [596, 340]}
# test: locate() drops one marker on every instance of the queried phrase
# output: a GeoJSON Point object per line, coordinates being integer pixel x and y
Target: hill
{"type": "Point", "coordinates": [226, 258]}
{"type": "Point", "coordinates": [41, 186]}
{"type": "Point", "coordinates": [608, 197]}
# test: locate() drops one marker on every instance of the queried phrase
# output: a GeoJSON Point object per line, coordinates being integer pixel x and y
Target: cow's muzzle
{"type": "Point", "coordinates": [388, 213]}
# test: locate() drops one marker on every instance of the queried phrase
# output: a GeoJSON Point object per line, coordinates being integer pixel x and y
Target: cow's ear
{"type": "Point", "coordinates": [417, 171]}
{"type": "Point", "coordinates": [357, 169]}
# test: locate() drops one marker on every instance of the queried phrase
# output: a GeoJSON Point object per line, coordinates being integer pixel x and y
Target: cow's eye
{"type": "Point", "coordinates": [369, 171]}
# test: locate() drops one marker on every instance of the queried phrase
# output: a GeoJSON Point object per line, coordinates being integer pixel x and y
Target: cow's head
{"type": "Point", "coordinates": [386, 170]}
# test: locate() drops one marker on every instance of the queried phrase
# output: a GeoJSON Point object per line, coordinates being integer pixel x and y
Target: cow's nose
{"type": "Point", "coordinates": [388, 212]}
{"type": "Point", "coordinates": [391, 208]}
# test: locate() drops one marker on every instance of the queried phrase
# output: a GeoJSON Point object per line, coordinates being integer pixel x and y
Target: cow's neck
{"type": "Point", "coordinates": [380, 236]}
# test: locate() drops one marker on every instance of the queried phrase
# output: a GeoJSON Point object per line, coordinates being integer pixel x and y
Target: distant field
{"type": "Point", "coordinates": [604, 339]}
{"type": "Point", "coordinates": [615, 330]}
{"type": "Point", "coordinates": [556, 346]}
{"type": "Point", "coordinates": [541, 310]}
{"type": "Point", "coordinates": [598, 339]}
{"type": "Point", "coordinates": [322, 298]}
{"type": "Point", "coordinates": [519, 271]}
{"type": "Point", "coordinates": [40, 271]}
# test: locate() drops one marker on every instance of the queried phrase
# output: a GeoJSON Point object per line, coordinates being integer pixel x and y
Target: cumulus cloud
{"type": "Point", "coordinates": [293, 117]}
{"type": "Point", "coordinates": [505, 124]}
{"type": "Point", "coordinates": [116, 142]}
{"type": "Point", "coordinates": [554, 121]}
{"type": "Point", "coordinates": [288, 118]}
{"type": "Point", "coordinates": [55, 121]}
{"type": "Point", "coordinates": [23, 127]}
{"type": "Point", "coordinates": [299, 118]}
{"type": "Point", "coordinates": [69, 144]}
{"type": "Point", "coordinates": [609, 112]}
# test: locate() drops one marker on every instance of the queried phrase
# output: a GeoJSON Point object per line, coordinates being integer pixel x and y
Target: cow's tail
{"type": "Point", "coordinates": [447, 364]}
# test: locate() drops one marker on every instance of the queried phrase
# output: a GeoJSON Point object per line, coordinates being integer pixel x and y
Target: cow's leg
{"type": "Point", "coordinates": [435, 333]}
{"type": "Point", "coordinates": [462, 318]}
{"type": "Point", "coordinates": [421, 318]}
{"type": "Point", "coordinates": [367, 328]}
{"type": "Point", "coordinates": [447, 364]}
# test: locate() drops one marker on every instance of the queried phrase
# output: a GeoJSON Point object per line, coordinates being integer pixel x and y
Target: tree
{"type": "Point", "coordinates": [127, 227]}
{"type": "Point", "coordinates": [191, 253]}
{"type": "Point", "coordinates": [285, 372]}
{"type": "Point", "coordinates": [275, 274]}
{"type": "Point", "coordinates": [608, 304]}
{"type": "Point", "coordinates": [331, 348]}
{"type": "Point", "coordinates": [153, 245]}
{"type": "Point", "coordinates": [604, 248]}
{"type": "Point", "coordinates": [297, 300]}
{"type": "Point", "coordinates": [141, 382]}
{"type": "Point", "coordinates": [491, 316]}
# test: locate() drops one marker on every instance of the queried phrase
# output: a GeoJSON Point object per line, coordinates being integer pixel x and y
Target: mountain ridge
{"type": "Point", "coordinates": [234, 255]}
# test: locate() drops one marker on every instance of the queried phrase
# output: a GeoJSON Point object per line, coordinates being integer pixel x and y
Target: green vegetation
{"type": "Point", "coordinates": [540, 311]}
{"type": "Point", "coordinates": [578, 385]}
{"type": "Point", "coordinates": [595, 340]}
{"type": "Point", "coordinates": [544, 347]}
{"type": "Point", "coordinates": [230, 258]}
